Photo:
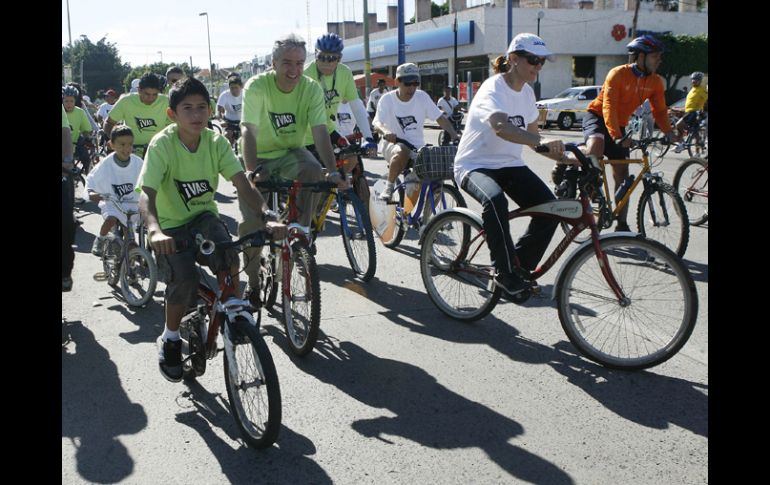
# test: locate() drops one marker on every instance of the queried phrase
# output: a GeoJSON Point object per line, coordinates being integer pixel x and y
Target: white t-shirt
{"type": "Point", "coordinates": [480, 147]}
{"type": "Point", "coordinates": [374, 98]}
{"type": "Point", "coordinates": [447, 106]}
{"type": "Point", "coordinates": [104, 110]}
{"type": "Point", "coordinates": [231, 104]}
{"type": "Point", "coordinates": [110, 178]}
{"type": "Point", "coordinates": [345, 120]}
{"type": "Point", "coordinates": [406, 120]}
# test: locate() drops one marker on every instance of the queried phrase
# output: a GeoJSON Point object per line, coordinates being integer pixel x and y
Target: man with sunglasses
{"type": "Point", "coordinates": [625, 89]}
{"type": "Point", "coordinates": [338, 85]}
{"type": "Point", "coordinates": [401, 114]}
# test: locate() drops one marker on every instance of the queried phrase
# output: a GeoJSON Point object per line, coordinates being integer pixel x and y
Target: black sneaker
{"type": "Point", "coordinates": [622, 227]}
{"type": "Point", "coordinates": [170, 359]}
{"type": "Point", "coordinates": [511, 283]}
{"type": "Point", "coordinates": [252, 295]}
{"type": "Point", "coordinates": [66, 283]}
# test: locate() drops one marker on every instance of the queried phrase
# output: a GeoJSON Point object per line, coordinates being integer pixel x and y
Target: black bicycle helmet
{"type": "Point", "coordinates": [70, 91]}
{"type": "Point", "coordinates": [329, 43]}
{"type": "Point", "coordinates": [696, 76]}
{"type": "Point", "coordinates": [645, 43]}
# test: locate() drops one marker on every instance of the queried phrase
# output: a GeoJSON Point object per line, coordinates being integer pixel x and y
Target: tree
{"type": "Point", "coordinates": [102, 68]}
{"type": "Point", "coordinates": [435, 10]}
{"type": "Point", "coordinates": [156, 67]}
{"type": "Point", "coordinates": [684, 54]}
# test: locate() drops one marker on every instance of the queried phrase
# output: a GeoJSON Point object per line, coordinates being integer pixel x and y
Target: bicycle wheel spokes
{"type": "Point", "coordinates": [252, 384]}
{"type": "Point", "coordinates": [138, 277]}
{"type": "Point", "coordinates": [662, 216]}
{"type": "Point", "coordinates": [456, 267]}
{"type": "Point", "coordinates": [691, 181]}
{"type": "Point", "coordinates": [302, 307]}
{"type": "Point", "coordinates": [650, 325]}
{"type": "Point", "coordinates": [357, 236]}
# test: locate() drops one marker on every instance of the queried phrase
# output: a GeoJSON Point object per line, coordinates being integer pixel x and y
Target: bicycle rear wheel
{"type": "Point", "coordinates": [445, 197]}
{"type": "Point", "coordinates": [647, 329]}
{"type": "Point", "coordinates": [302, 304]}
{"type": "Point", "coordinates": [138, 277]}
{"type": "Point", "coordinates": [691, 183]}
{"type": "Point", "coordinates": [662, 216]}
{"type": "Point", "coordinates": [357, 235]}
{"type": "Point", "coordinates": [252, 384]}
{"type": "Point", "coordinates": [698, 146]}
{"type": "Point", "coordinates": [456, 267]}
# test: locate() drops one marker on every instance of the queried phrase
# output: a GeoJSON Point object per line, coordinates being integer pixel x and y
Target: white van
{"type": "Point", "coordinates": [567, 107]}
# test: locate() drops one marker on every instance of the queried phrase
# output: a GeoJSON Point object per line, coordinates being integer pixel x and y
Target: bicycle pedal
{"type": "Point", "coordinates": [100, 276]}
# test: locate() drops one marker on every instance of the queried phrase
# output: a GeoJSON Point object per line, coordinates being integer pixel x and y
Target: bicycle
{"type": "Point", "coordinates": [294, 267]}
{"type": "Point", "coordinates": [355, 224]}
{"type": "Point", "coordinates": [660, 213]}
{"type": "Point", "coordinates": [456, 119]}
{"type": "Point", "coordinates": [251, 379]}
{"type": "Point", "coordinates": [623, 300]}
{"type": "Point", "coordinates": [234, 130]}
{"type": "Point", "coordinates": [429, 168]}
{"type": "Point", "coordinates": [696, 141]}
{"type": "Point", "coordinates": [127, 263]}
{"type": "Point", "coordinates": [691, 182]}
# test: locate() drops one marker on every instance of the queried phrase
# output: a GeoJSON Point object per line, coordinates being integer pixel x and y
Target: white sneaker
{"type": "Point", "coordinates": [679, 147]}
{"type": "Point", "coordinates": [98, 246]}
{"type": "Point", "coordinates": [387, 193]}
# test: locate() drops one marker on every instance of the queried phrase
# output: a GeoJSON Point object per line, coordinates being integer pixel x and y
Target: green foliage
{"type": "Point", "coordinates": [102, 68]}
{"type": "Point", "coordinates": [684, 54]}
{"type": "Point", "coordinates": [435, 11]}
{"type": "Point", "coordinates": [156, 67]}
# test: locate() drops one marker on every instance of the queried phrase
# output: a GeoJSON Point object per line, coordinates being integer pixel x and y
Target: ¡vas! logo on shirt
{"type": "Point", "coordinates": [122, 189]}
{"type": "Point", "coordinates": [143, 123]}
{"type": "Point", "coordinates": [193, 188]}
{"type": "Point", "coordinates": [406, 121]}
{"type": "Point", "coordinates": [518, 121]}
{"type": "Point", "coordinates": [282, 120]}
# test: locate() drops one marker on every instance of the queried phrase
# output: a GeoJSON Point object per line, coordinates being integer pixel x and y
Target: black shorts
{"type": "Point", "coordinates": [594, 125]}
{"type": "Point", "coordinates": [691, 120]}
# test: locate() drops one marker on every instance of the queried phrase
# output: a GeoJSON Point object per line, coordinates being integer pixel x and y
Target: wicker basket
{"type": "Point", "coordinates": [435, 163]}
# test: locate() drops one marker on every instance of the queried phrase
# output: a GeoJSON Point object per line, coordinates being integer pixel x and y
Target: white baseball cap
{"type": "Point", "coordinates": [532, 44]}
{"type": "Point", "coordinates": [408, 72]}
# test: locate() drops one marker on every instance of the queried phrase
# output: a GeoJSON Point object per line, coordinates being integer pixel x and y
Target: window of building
{"type": "Point", "coordinates": [583, 70]}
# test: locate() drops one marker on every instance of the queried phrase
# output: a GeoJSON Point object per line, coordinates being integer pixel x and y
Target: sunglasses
{"type": "Point", "coordinates": [414, 83]}
{"type": "Point", "coordinates": [534, 60]}
{"type": "Point", "coordinates": [328, 58]}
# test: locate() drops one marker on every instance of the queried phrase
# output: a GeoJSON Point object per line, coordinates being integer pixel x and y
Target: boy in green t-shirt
{"type": "Point", "coordinates": [178, 181]}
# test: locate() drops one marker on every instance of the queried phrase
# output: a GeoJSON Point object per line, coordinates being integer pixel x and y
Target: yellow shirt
{"type": "Point", "coordinates": [696, 98]}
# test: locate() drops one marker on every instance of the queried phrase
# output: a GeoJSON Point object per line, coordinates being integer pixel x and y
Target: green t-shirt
{"type": "Point", "coordinates": [78, 123]}
{"type": "Point", "coordinates": [338, 87]}
{"type": "Point", "coordinates": [65, 122]}
{"type": "Point", "coordinates": [144, 120]}
{"type": "Point", "coordinates": [186, 182]}
{"type": "Point", "coordinates": [282, 119]}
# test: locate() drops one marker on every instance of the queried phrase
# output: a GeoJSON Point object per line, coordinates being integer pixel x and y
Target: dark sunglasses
{"type": "Point", "coordinates": [534, 60]}
{"type": "Point", "coordinates": [413, 83]}
{"type": "Point", "coordinates": [328, 58]}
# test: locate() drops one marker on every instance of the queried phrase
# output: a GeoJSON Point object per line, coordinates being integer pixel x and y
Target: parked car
{"type": "Point", "coordinates": [568, 107]}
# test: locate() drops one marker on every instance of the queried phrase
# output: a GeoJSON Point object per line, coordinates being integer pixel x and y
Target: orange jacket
{"type": "Point", "coordinates": [623, 92]}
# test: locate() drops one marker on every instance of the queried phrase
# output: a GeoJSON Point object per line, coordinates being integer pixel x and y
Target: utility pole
{"type": "Point", "coordinates": [454, 60]}
{"type": "Point", "coordinates": [636, 15]}
{"type": "Point", "coordinates": [509, 15]}
{"type": "Point", "coordinates": [401, 36]}
{"type": "Point", "coordinates": [367, 59]}
{"type": "Point", "coordinates": [69, 29]}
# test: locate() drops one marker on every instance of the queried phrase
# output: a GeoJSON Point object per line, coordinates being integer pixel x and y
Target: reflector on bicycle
{"type": "Point", "coordinates": [435, 163]}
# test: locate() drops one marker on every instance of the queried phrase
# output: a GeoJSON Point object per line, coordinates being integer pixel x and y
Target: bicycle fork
{"type": "Point", "coordinates": [651, 181]}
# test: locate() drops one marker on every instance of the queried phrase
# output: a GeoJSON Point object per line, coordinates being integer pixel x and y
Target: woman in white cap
{"type": "Point", "coordinates": [501, 119]}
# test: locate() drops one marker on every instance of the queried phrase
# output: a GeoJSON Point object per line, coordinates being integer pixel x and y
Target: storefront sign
{"type": "Point", "coordinates": [415, 41]}
{"type": "Point", "coordinates": [438, 67]}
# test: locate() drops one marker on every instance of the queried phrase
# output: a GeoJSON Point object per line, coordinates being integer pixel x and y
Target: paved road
{"type": "Point", "coordinates": [393, 393]}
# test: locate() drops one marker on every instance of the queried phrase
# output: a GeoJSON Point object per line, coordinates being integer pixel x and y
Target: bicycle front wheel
{"type": "Point", "coordinates": [445, 197]}
{"type": "Point", "coordinates": [138, 277]}
{"type": "Point", "coordinates": [357, 235]}
{"type": "Point", "coordinates": [252, 384]}
{"type": "Point", "coordinates": [662, 216]}
{"type": "Point", "coordinates": [647, 328]}
{"type": "Point", "coordinates": [268, 285]}
{"type": "Point", "coordinates": [302, 300]}
{"type": "Point", "coordinates": [400, 229]}
{"type": "Point", "coordinates": [698, 146]}
{"type": "Point", "coordinates": [691, 182]}
{"type": "Point", "coordinates": [456, 267]}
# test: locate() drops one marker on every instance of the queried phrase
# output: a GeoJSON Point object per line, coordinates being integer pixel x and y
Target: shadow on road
{"type": "Point", "coordinates": [285, 462]}
{"type": "Point", "coordinates": [95, 410]}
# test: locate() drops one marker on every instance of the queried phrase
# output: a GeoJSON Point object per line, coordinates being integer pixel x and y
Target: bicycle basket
{"type": "Point", "coordinates": [435, 163]}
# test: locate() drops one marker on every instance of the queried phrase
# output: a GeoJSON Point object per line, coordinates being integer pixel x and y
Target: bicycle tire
{"type": "Point", "coordinates": [690, 188]}
{"type": "Point", "coordinates": [702, 142]}
{"type": "Point", "coordinates": [138, 295]}
{"type": "Point", "coordinates": [255, 388]}
{"type": "Point", "coordinates": [268, 283]}
{"type": "Point", "coordinates": [458, 286]}
{"type": "Point", "coordinates": [356, 228]}
{"type": "Point", "coordinates": [654, 280]}
{"type": "Point", "coordinates": [302, 307]}
{"type": "Point", "coordinates": [675, 239]}
{"type": "Point", "coordinates": [400, 231]}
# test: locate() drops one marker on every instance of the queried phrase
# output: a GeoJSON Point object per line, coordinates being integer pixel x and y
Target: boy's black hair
{"type": "Point", "coordinates": [121, 130]}
{"type": "Point", "coordinates": [150, 80]}
{"type": "Point", "coordinates": [234, 80]}
{"type": "Point", "coordinates": [188, 87]}
{"type": "Point", "coordinates": [174, 69]}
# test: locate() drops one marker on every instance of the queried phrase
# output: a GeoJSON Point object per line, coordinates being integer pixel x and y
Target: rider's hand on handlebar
{"type": "Point", "coordinates": [161, 243]}
{"type": "Point", "coordinates": [369, 148]}
{"type": "Point", "coordinates": [339, 179]}
{"type": "Point", "coordinates": [258, 175]}
{"type": "Point", "coordinates": [276, 229]}
{"type": "Point", "coordinates": [555, 147]}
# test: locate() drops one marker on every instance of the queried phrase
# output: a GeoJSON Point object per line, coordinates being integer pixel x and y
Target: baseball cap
{"type": "Point", "coordinates": [111, 92]}
{"type": "Point", "coordinates": [532, 44]}
{"type": "Point", "coordinates": [408, 72]}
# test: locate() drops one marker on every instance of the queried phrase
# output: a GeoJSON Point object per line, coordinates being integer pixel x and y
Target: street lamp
{"type": "Point", "coordinates": [161, 56]}
{"type": "Point", "coordinates": [540, 15]}
{"type": "Point", "coordinates": [211, 66]}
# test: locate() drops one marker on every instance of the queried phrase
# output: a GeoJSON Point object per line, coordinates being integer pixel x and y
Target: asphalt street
{"type": "Point", "coordinates": [394, 392]}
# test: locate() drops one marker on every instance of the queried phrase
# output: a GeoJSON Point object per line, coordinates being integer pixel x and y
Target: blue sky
{"type": "Point", "coordinates": [240, 29]}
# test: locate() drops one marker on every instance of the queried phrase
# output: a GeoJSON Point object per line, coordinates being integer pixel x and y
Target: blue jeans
{"type": "Point", "coordinates": [489, 187]}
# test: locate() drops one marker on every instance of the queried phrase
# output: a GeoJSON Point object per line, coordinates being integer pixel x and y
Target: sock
{"type": "Point", "coordinates": [169, 335]}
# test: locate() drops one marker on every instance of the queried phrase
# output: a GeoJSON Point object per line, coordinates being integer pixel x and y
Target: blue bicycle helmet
{"type": "Point", "coordinates": [329, 43]}
{"type": "Point", "coordinates": [645, 43]}
{"type": "Point", "coordinates": [70, 91]}
{"type": "Point", "coordinates": [696, 76]}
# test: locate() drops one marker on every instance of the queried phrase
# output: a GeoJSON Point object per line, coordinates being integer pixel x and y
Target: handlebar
{"type": "Point", "coordinates": [207, 246]}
